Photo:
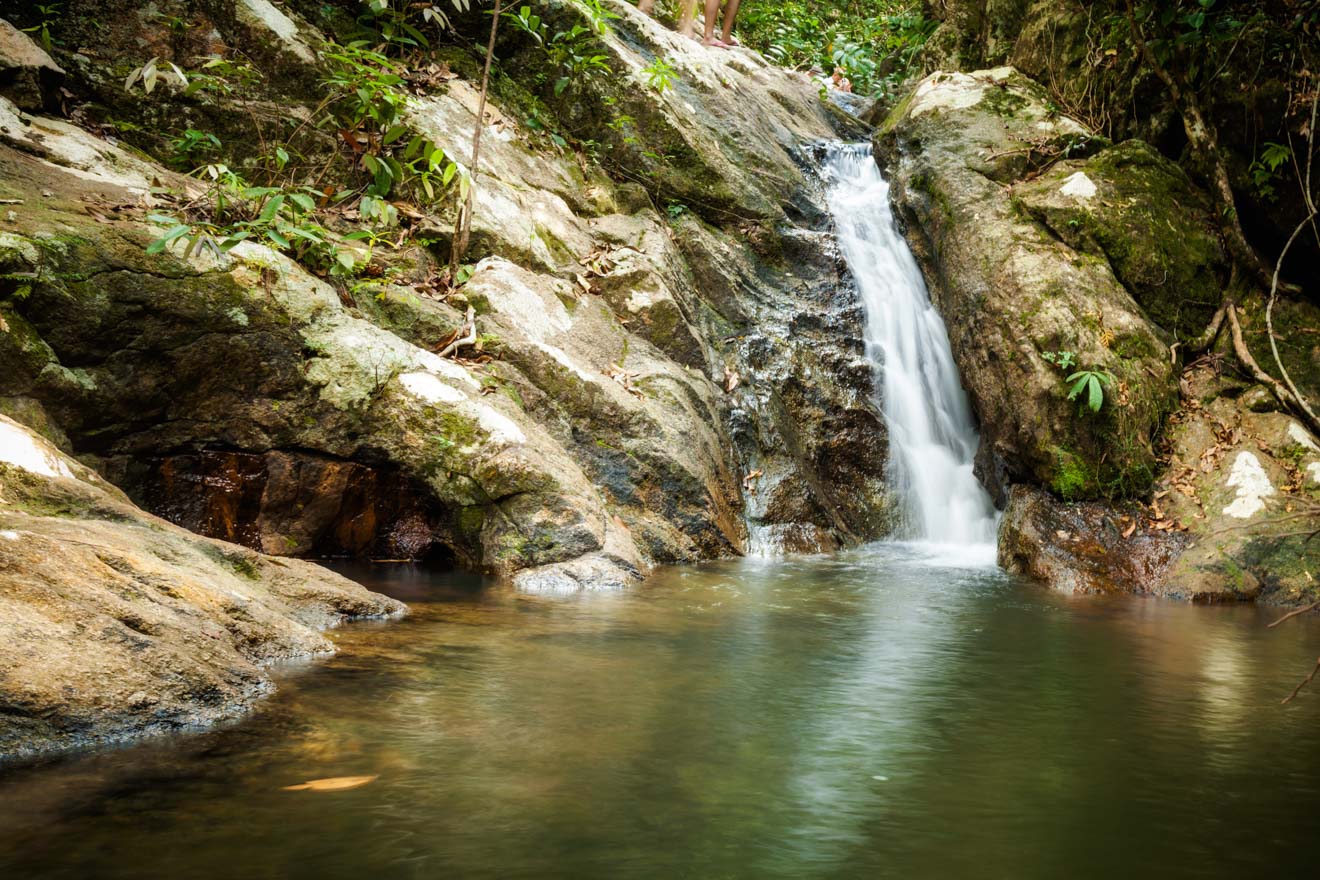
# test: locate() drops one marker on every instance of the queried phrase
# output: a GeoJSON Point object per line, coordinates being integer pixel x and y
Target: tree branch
{"type": "Point", "coordinates": [1303, 683]}
{"type": "Point", "coordinates": [463, 228]}
{"type": "Point", "coordinates": [1294, 613]}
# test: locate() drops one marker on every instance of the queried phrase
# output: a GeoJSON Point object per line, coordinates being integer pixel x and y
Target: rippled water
{"type": "Point", "coordinates": [866, 715]}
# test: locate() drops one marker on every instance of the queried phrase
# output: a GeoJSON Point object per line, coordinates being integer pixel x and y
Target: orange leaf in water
{"type": "Point", "coordinates": [333, 783]}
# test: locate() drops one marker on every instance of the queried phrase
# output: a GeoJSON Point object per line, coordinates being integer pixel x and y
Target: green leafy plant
{"type": "Point", "coordinates": [50, 14]}
{"type": "Point", "coordinates": [1091, 383]}
{"type": "Point", "coordinates": [1064, 360]}
{"type": "Point", "coordinates": [233, 212]}
{"type": "Point", "coordinates": [572, 51]}
{"type": "Point", "coordinates": [399, 23]}
{"type": "Point", "coordinates": [660, 75]}
{"type": "Point", "coordinates": [368, 108]}
{"type": "Point", "coordinates": [1264, 169]}
{"type": "Point", "coordinates": [192, 148]}
{"type": "Point", "coordinates": [222, 76]}
{"type": "Point", "coordinates": [875, 42]}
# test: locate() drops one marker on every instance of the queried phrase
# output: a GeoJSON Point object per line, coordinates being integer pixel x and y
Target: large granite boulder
{"type": "Point", "coordinates": [28, 76]}
{"type": "Point", "coordinates": [114, 623]}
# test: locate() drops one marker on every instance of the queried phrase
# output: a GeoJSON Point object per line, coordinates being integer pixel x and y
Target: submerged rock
{"type": "Point", "coordinates": [1084, 547]}
{"type": "Point", "coordinates": [114, 623]}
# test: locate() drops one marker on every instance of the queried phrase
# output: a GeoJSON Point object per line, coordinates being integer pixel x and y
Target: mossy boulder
{"type": "Point", "coordinates": [1133, 208]}
{"type": "Point", "coordinates": [1229, 519]}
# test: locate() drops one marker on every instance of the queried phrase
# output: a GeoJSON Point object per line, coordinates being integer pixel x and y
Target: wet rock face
{"type": "Point", "coordinates": [114, 623]}
{"type": "Point", "coordinates": [1082, 547]}
{"type": "Point", "coordinates": [291, 504]}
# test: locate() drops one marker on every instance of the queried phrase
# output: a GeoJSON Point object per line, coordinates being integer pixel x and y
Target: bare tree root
{"type": "Point", "coordinates": [1207, 337]}
{"type": "Point", "coordinates": [1281, 391]}
{"type": "Point", "coordinates": [466, 335]}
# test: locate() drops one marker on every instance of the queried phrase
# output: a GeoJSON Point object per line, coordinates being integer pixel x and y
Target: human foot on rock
{"type": "Point", "coordinates": [715, 43]}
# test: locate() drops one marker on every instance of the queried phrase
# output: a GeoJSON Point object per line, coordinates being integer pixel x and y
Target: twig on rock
{"type": "Point", "coordinates": [467, 335]}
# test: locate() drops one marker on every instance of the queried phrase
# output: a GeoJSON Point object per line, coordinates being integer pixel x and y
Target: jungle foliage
{"type": "Point", "coordinates": [876, 42]}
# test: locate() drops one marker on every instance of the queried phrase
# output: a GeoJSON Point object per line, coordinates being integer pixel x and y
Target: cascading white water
{"type": "Point", "coordinates": [932, 436]}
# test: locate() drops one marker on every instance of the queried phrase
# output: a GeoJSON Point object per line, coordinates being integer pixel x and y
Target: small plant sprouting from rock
{"type": "Point", "coordinates": [1091, 383]}
{"type": "Point", "coordinates": [1064, 360]}
{"type": "Point", "coordinates": [367, 110]}
{"type": "Point", "coordinates": [1087, 386]}
{"type": "Point", "coordinates": [50, 14]}
{"type": "Point", "coordinates": [660, 75]}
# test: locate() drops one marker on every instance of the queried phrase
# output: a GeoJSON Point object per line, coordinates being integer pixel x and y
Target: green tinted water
{"type": "Point", "coordinates": [866, 715]}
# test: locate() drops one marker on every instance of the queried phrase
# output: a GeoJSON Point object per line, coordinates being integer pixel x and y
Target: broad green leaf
{"type": "Point", "coordinates": [271, 209]}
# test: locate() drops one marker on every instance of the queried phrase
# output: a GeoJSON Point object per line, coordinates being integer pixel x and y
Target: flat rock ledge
{"type": "Point", "coordinates": [115, 624]}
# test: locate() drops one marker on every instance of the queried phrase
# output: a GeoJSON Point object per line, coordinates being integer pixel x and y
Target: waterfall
{"type": "Point", "coordinates": [932, 435]}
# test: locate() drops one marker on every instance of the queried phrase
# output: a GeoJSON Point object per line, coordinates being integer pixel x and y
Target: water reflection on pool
{"type": "Point", "coordinates": [864, 715]}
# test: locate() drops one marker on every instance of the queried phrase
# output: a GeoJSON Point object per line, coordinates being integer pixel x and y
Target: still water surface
{"type": "Point", "coordinates": [866, 715]}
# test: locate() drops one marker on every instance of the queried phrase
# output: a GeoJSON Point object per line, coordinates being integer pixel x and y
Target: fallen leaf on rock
{"type": "Point", "coordinates": [333, 783]}
{"type": "Point", "coordinates": [624, 378]}
{"type": "Point", "coordinates": [1127, 533]}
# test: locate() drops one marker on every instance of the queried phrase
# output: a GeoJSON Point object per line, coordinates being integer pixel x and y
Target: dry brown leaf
{"type": "Point", "coordinates": [1127, 533]}
{"type": "Point", "coordinates": [332, 783]}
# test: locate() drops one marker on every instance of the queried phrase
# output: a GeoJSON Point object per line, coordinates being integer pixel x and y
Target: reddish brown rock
{"type": "Point", "coordinates": [1081, 547]}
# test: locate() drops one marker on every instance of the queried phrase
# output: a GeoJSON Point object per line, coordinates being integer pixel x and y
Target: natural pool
{"type": "Point", "coordinates": [862, 715]}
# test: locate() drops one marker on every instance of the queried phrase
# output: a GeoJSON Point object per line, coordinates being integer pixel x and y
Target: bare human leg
{"type": "Point", "coordinates": [730, 13]}
{"type": "Point", "coordinates": [712, 13]}
{"type": "Point", "coordinates": [647, 6]}
{"type": "Point", "coordinates": [686, 18]}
